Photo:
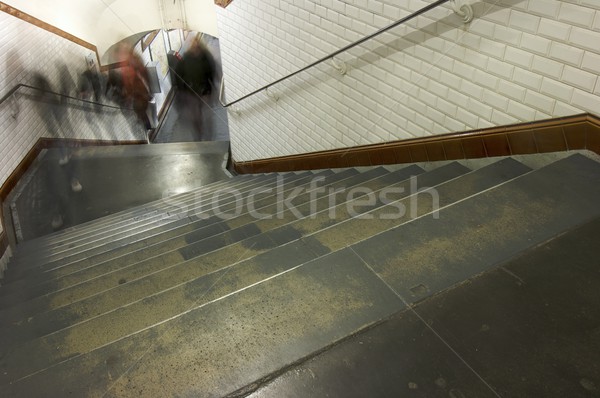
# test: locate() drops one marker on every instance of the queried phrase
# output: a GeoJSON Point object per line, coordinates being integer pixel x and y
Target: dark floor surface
{"type": "Point", "coordinates": [194, 118]}
{"type": "Point", "coordinates": [113, 179]}
{"type": "Point", "coordinates": [529, 328]}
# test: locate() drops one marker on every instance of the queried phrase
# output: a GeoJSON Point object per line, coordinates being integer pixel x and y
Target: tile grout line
{"type": "Point", "coordinates": [411, 308]}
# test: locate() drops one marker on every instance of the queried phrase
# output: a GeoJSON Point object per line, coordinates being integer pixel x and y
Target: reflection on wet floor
{"type": "Point", "coordinates": [194, 118]}
{"type": "Point", "coordinates": [113, 178]}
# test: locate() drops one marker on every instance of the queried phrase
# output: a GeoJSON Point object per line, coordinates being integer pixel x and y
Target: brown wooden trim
{"type": "Point", "coordinates": [223, 3]}
{"type": "Point", "coordinates": [553, 135]}
{"type": "Point", "coordinates": [50, 28]}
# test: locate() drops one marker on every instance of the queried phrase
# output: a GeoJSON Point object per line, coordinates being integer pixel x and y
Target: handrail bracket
{"type": "Point", "coordinates": [339, 65]}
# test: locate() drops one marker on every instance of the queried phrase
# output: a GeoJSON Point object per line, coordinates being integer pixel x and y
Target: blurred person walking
{"type": "Point", "coordinates": [134, 83]}
{"type": "Point", "coordinates": [52, 110]}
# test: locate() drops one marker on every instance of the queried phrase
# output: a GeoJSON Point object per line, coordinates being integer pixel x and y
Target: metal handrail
{"type": "Point", "coordinates": [333, 54]}
{"type": "Point", "coordinates": [13, 90]}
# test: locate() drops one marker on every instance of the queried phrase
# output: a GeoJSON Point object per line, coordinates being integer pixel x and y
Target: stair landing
{"type": "Point", "coordinates": [114, 178]}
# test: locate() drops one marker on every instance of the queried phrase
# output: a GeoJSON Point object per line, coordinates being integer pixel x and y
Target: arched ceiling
{"type": "Point", "coordinates": [106, 22]}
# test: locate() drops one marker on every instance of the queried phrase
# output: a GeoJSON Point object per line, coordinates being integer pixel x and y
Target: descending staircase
{"type": "Point", "coordinates": [214, 292]}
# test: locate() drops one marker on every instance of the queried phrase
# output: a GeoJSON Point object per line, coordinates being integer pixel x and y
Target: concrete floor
{"type": "Point", "coordinates": [194, 118]}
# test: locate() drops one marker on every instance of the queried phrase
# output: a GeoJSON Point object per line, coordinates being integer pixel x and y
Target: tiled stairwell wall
{"type": "Point", "coordinates": [25, 49]}
{"type": "Point", "coordinates": [518, 60]}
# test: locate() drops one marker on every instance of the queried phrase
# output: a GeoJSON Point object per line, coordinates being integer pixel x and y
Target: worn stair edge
{"type": "Point", "coordinates": [108, 235]}
{"type": "Point", "coordinates": [47, 277]}
{"type": "Point", "coordinates": [60, 238]}
{"type": "Point", "coordinates": [317, 231]}
{"type": "Point", "coordinates": [236, 232]}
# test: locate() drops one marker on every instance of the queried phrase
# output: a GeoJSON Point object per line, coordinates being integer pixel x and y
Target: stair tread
{"type": "Point", "coordinates": [178, 256]}
{"type": "Point", "coordinates": [496, 226]}
{"type": "Point", "coordinates": [66, 237]}
{"type": "Point", "coordinates": [291, 280]}
{"type": "Point", "coordinates": [163, 242]}
{"type": "Point", "coordinates": [265, 258]}
{"type": "Point", "coordinates": [481, 320]}
{"type": "Point", "coordinates": [282, 314]}
{"type": "Point", "coordinates": [111, 241]}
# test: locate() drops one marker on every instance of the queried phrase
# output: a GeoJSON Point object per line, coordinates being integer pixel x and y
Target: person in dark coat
{"type": "Point", "coordinates": [197, 68]}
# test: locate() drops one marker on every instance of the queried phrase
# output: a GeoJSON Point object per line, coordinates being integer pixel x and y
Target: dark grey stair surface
{"type": "Point", "coordinates": [203, 229]}
{"type": "Point", "coordinates": [526, 329]}
{"type": "Point", "coordinates": [273, 232]}
{"type": "Point", "coordinates": [246, 304]}
{"type": "Point", "coordinates": [187, 212]}
{"type": "Point", "coordinates": [153, 170]}
{"type": "Point", "coordinates": [135, 282]}
{"type": "Point", "coordinates": [145, 215]}
{"type": "Point", "coordinates": [191, 203]}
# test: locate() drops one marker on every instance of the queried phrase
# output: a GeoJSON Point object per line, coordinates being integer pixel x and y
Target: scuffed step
{"type": "Point", "coordinates": [57, 242]}
{"type": "Point", "coordinates": [481, 321]}
{"type": "Point", "coordinates": [235, 230]}
{"type": "Point", "coordinates": [288, 313]}
{"type": "Point", "coordinates": [91, 267]}
{"type": "Point", "coordinates": [174, 298]}
{"type": "Point", "coordinates": [213, 340]}
{"type": "Point", "coordinates": [431, 255]}
{"type": "Point", "coordinates": [49, 258]}
{"type": "Point", "coordinates": [260, 319]}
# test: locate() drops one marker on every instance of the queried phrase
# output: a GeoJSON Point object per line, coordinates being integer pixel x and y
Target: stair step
{"type": "Point", "coordinates": [272, 314]}
{"type": "Point", "coordinates": [174, 299]}
{"type": "Point", "coordinates": [59, 242]}
{"type": "Point", "coordinates": [235, 228]}
{"type": "Point", "coordinates": [481, 320]}
{"type": "Point", "coordinates": [79, 271]}
{"type": "Point", "coordinates": [57, 238]}
{"type": "Point", "coordinates": [42, 259]}
{"type": "Point", "coordinates": [431, 255]}
{"type": "Point", "coordinates": [299, 297]}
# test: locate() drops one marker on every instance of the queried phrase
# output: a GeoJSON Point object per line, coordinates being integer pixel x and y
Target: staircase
{"type": "Point", "coordinates": [219, 291]}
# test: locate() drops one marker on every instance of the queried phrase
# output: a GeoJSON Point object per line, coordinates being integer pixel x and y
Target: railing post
{"type": "Point", "coordinates": [340, 66]}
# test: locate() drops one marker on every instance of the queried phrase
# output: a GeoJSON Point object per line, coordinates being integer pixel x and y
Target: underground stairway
{"type": "Point", "coordinates": [450, 279]}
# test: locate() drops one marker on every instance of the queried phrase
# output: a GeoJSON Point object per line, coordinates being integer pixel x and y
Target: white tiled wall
{"type": "Point", "coordinates": [25, 49]}
{"type": "Point", "coordinates": [519, 60]}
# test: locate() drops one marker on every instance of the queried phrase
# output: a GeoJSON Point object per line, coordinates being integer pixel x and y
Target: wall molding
{"type": "Point", "coordinates": [552, 135]}
{"type": "Point", "coordinates": [223, 3]}
{"type": "Point", "coordinates": [50, 28]}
